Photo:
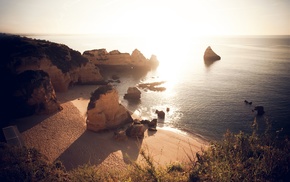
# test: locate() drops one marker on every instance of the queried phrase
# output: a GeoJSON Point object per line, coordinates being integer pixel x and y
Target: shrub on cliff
{"type": "Point", "coordinates": [24, 164]}
{"type": "Point", "coordinates": [14, 48]}
{"type": "Point", "coordinates": [243, 157]}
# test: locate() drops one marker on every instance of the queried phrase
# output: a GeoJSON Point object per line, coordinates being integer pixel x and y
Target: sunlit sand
{"type": "Point", "coordinates": [63, 136]}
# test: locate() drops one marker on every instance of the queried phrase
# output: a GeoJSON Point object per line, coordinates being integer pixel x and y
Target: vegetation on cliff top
{"type": "Point", "coordinates": [14, 48]}
{"type": "Point", "coordinates": [238, 157]}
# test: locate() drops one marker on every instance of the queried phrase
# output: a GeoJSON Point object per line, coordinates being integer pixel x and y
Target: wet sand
{"type": "Point", "coordinates": [63, 136]}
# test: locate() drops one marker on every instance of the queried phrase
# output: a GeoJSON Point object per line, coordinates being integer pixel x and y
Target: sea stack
{"type": "Point", "coordinates": [133, 93]}
{"type": "Point", "coordinates": [105, 111]}
{"type": "Point", "coordinates": [210, 55]}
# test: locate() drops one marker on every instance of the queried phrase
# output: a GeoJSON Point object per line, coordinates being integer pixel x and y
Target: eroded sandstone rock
{"type": "Point", "coordinates": [101, 57]}
{"type": "Point", "coordinates": [136, 130]}
{"type": "Point", "coordinates": [133, 93]}
{"type": "Point", "coordinates": [34, 94]}
{"type": "Point", "coordinates": [210, 55]}
{"type": "Point", "coordinates": [105, 111]}
{"type": "Point", "coordinates": [64, 65]}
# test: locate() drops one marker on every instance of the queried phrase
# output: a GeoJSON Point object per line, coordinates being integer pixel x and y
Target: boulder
{"type": "Point", "coordinates": [120, 135]}
{"type": "Point", "coordinates": [259, 109]}
{"type": "Point", "coordinates": [153, 123]}
{"type": "Point", "coordinates": [135, 131]}
{"type": "Point", "coordinates": [34, 94]}
{"type": "Point", "coordinates": [210, 55]}
{"type": "Point", "coordinates": [160, 114]}
{"type": "Point", "coordinates": [104, 110]}
{"type": "Point", "coordinates": [133, 93]}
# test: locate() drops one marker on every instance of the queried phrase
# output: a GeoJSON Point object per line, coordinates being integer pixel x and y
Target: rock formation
{"type": "Point", "coordinates": [135, 130]}
{"type": "Point", "coordinates": [160, 114]}
{"type": "Point", "coordinates": [64, 65]}
{"type": "Point", "coordinates": [153, 86]}
{"type": "Point", "coordinates": [210, 55]}
{"type": "Point", "coordinates": [105, 111]}
{"type": "Point", "coordinates": [34, 94]}
{"type": "Point", "coordinates": [101, 57]}
{"type": "Point", "coordinates": [152, 125]}
{"type": "Point", "coordinates": [259, 109]}
{"type": "Point", "coordinates": [133, 93]}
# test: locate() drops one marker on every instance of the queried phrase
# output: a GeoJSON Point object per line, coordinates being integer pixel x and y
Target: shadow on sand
{"type": "Point", "coordinates": [93, 148]}
{"type": "Point", "coordinates": [29, 122]}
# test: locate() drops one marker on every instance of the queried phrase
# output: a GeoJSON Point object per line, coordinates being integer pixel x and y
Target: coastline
{"type": "Point", "coordinates": [63, 136]}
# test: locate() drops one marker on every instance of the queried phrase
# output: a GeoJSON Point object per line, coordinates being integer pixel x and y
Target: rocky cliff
{"type": "Point", "coordinates": [105, 111]}
{"type": "Point", "coordinates": [64, 65]}
{"type": "Point", "coordinates": [101, 57]}
{"type": "Point", "coordinates": [33, 93]}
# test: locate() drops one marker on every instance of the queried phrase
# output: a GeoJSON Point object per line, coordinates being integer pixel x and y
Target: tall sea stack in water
{"type": "Point", "coordinates": [210, 56]}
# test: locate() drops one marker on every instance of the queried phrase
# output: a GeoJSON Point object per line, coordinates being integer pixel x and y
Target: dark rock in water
{"type": "Point", "coordinates": [210, 56]}
{"type": "Point", "coordinates": [154, 86]}
{"type": "Point", "coordinates": [133, 93]}
{"type": "Point", "coordinates": [247, 102]}
{"type": "Point", "coordinates": [160, 114]}
{"type": "Point", "coordinates": [136, 131]}
{"type": "Point", "coordinates": [259, 109]}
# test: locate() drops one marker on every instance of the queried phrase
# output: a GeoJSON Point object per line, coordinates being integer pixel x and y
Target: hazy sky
{"type": "Point", "coordinates": [150, 17]}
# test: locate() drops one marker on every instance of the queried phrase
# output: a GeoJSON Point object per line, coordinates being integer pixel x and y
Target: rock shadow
{"type": "Point", "coordinates": [29, 122]}
{"type": "Point", "coordinates": [93, 148]}
{"type": "Point", "coordinates": [76, 92]}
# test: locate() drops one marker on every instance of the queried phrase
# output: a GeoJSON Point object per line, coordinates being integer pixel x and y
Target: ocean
{"type": "Point", "coordinates": [205, 100]}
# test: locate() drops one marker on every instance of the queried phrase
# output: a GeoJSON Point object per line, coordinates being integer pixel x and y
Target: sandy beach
{"type": "Point", "coordinates": [63, 136]}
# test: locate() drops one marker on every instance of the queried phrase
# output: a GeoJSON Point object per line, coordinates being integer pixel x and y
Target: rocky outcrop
{"type": "Point", "coordinates": [259, 109]}
{"type": "Point", "coordinates": [153, 86]}
{"type": "Point", "coordinates": [152, 125]}
{"type": "Point", "coordinates": [101, 57]}
{"type": "Point", "coordinates": [136, 130]}
{"type": "Point", "coordinates": [160, 114]}
{"type": "Point", "coordinates": [64, 65]}
{"type": "Point", "coordinates": [105, 111]}
{"type": "Point", "coordinates": [210, 55]}
{"type": "Point", "coordinates": [133, 93]}
{"type": "Point", "coordinates": [34, 94]}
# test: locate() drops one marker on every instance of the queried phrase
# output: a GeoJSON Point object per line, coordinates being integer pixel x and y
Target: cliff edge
{"type": "Point", "coordinates": [64, 65]}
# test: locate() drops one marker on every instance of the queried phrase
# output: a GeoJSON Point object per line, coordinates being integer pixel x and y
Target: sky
{"type": "Point", "coordinates": [146, 17]}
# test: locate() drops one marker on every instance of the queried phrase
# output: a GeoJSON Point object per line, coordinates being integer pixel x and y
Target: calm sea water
{"type": "Point", "coordinates": [206, 100]}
